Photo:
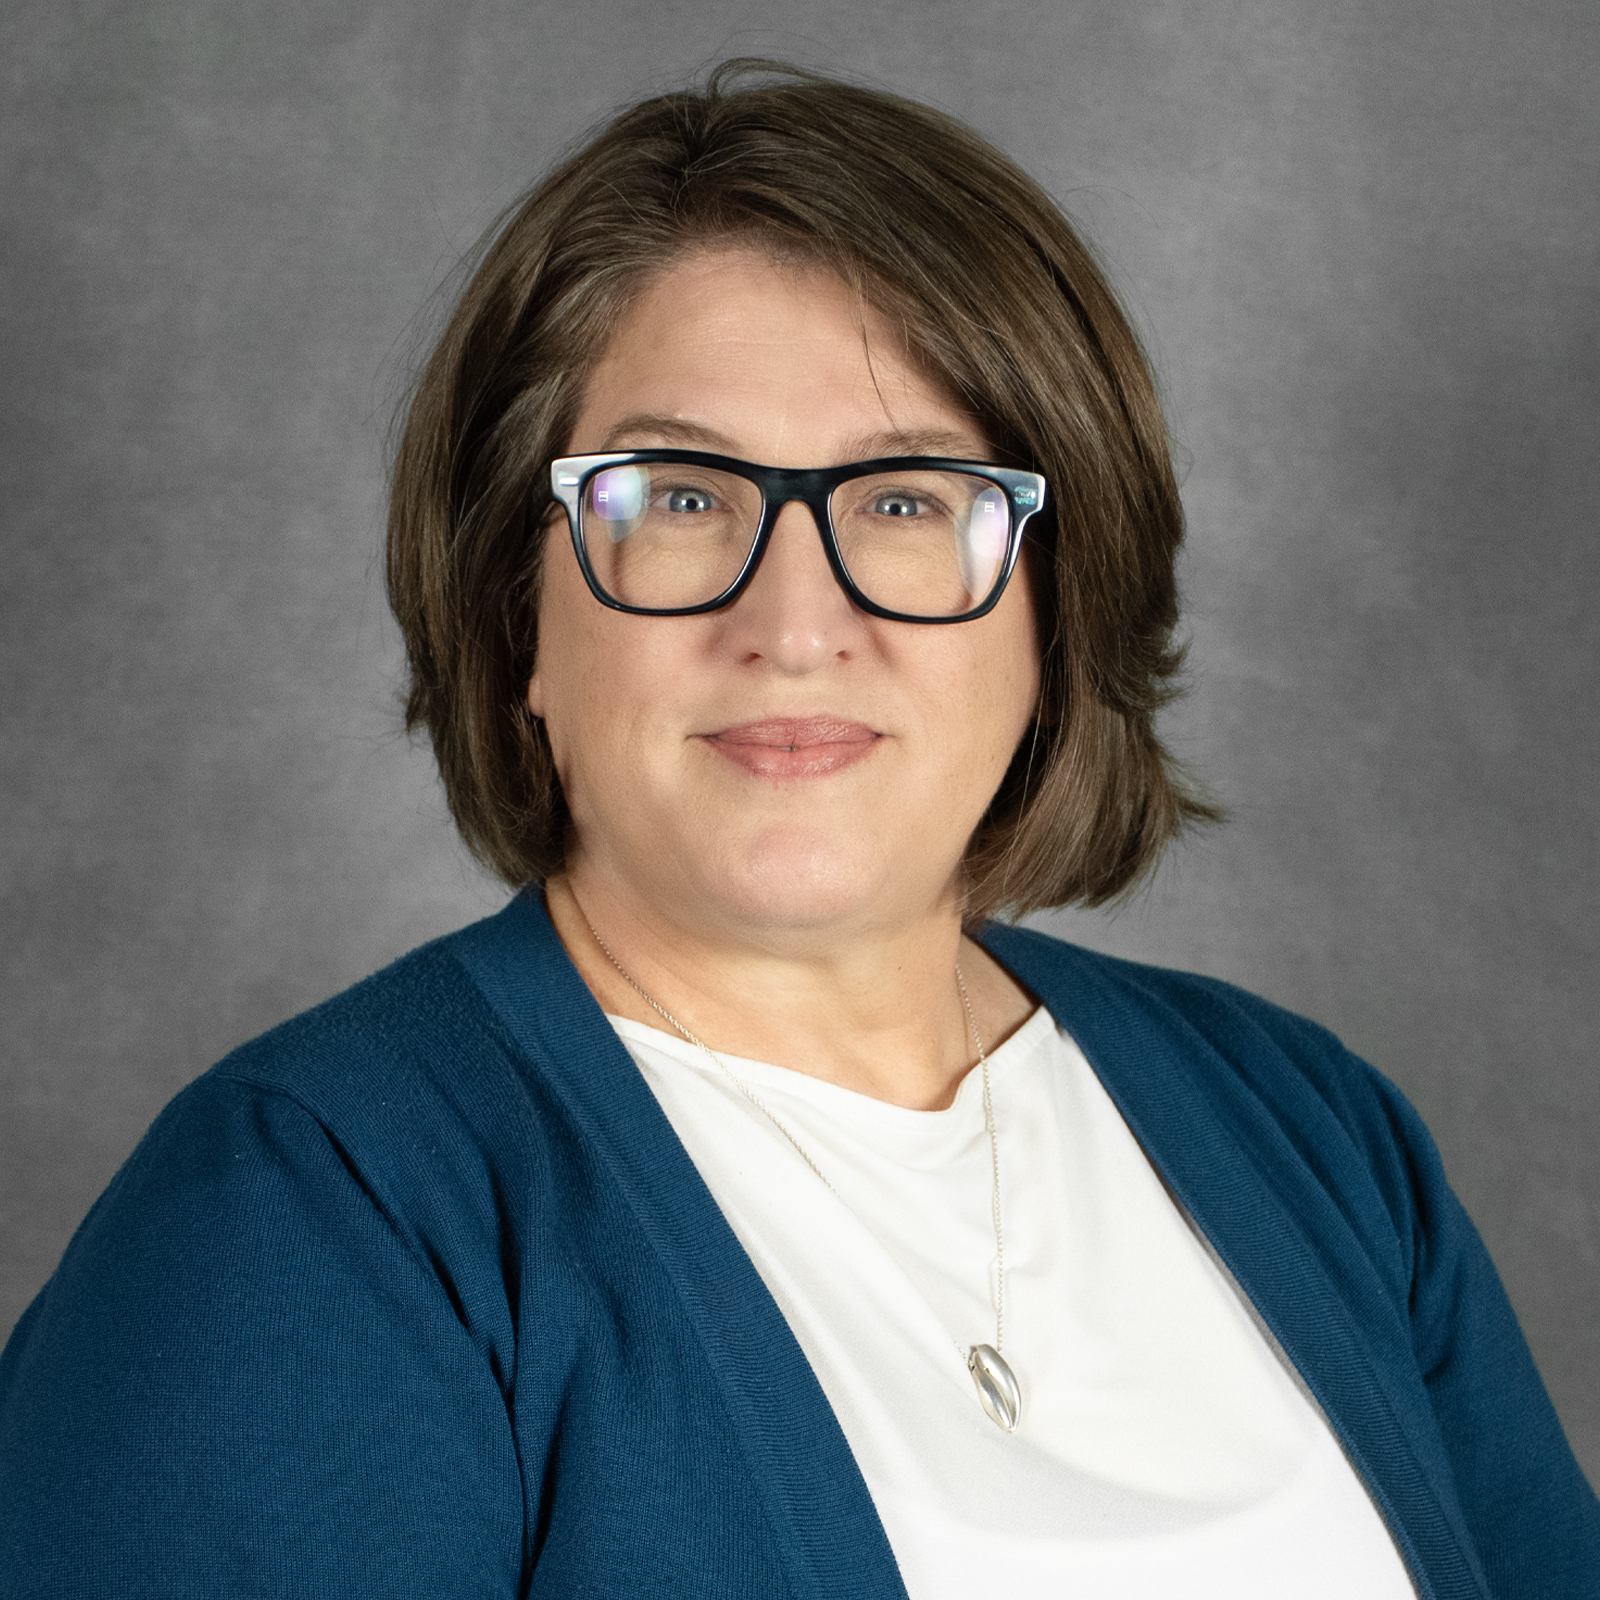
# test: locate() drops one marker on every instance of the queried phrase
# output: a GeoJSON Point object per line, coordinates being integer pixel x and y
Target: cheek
{"type": "Point", "coordinates": [562, 689]}
{"type": "Point", "coordinates": [572, 646]}
{"type": "Point", "coordinates": [566, 692]}
{"type": "Point", "coordinates": [979, 702]}
{"type": "Point", "coordinates": [1009, 665]}
{"type": "Point", "coordinates": [606, 685]}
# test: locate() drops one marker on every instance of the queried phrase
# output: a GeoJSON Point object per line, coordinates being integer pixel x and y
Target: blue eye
{"type": "Point", "coordinates": [689, 501]}
{"type": "Point", "coordinates": [895, 505]}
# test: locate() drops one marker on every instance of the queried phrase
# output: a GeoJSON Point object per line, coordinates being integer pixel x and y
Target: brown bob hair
{"type": "Point", "coordinates": [991, 288]}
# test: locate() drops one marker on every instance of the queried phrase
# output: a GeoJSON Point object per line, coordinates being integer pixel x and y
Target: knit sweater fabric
{"type": "Point", "coordinates": [419, 1295]}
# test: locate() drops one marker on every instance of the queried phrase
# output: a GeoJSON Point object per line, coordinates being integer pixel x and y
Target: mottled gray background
{"type": "Point", "coordinates": [1362, 240]}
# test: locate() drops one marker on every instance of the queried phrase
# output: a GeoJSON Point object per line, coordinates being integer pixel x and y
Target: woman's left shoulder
{"type": "Point", "coordinates": [1235, 1021]}
{"type": "Point", "coordinates": [1256, 1063]}
{"type": "Point", "coordinates": [1323, 1193]}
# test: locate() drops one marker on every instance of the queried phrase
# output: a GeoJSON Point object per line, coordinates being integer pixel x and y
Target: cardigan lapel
{"type": "Point", "coordinates": [1213, 1143]}
{"type": "Point", "coordinates": [820, 1511]}
{"type": "Point", "coordinates": [1228, 1162]}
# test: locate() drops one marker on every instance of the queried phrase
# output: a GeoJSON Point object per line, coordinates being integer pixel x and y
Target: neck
{"type": "Point", "coordinates": [874, 1010]}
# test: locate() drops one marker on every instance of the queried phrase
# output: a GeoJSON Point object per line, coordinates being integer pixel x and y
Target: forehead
{"type": "Point", "coordinates": [783, 361]}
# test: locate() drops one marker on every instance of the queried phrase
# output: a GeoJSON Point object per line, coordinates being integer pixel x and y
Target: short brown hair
{"type": "Point", "coordinates": [993, 291]}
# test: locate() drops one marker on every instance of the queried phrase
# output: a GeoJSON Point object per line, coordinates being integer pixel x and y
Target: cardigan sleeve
{"type": "Point", "coordinates": [1529, 1512]}
{"type": "Point", "coordinates": [1348, 1157]}
{"type": "Point", "coordinates": [1534, 1518]}
{"type": "Point", "coordinates": [242, 1379]}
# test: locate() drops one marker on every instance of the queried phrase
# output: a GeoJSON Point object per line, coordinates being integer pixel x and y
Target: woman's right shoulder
{"type": "Point", "coordinates": [306, 1265]}
{"type": "Point", "coordinates": [400, 1107]}
{"type": "Point", "coordinates": [420, 1022]}
{"type": "Point", "coordinates": [408, 1075]}
{"type": "Point", "coordinates": [423, 1042]}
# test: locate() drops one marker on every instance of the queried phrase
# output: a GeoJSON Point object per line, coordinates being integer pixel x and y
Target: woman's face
{"type": "Point", "coordinates": [788, 763]}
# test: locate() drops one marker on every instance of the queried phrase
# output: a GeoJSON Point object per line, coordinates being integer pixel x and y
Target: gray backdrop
{"type": "Point", "coordinates": [1362, 241]}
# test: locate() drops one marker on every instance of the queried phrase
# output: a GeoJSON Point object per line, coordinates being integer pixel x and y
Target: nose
{"type": "Point", "coordinates": [794, 616]}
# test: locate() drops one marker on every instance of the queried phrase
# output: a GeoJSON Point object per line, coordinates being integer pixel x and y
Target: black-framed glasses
{"type": "Point", "coordinates": [670, 533]}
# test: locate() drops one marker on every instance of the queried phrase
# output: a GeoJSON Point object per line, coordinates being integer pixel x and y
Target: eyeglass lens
{"type": "Point", "coordinates": [663, 536]}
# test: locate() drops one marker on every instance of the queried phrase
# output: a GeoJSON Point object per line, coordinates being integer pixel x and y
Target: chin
{"type": "Point", "coordinates": [805, 880]}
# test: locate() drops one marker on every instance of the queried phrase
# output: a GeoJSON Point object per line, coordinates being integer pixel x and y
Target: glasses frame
{"type": "Point", "coordinates": [780, 486]}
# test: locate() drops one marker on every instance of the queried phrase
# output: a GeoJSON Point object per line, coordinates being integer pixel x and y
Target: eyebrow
{"type": "Point", "coordinates": [674, 432]}
{"type": "Point", "coordinates": [670, 431]}
{"type": "Point", "coordinates": [919, 442]}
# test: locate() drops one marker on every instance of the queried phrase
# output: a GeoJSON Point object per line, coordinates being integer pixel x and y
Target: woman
{"type": "Point", "coordinates": [783, 537]}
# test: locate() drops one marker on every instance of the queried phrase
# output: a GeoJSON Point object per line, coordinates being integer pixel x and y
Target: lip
{"type": "Point", "coordinates": [794, 747]}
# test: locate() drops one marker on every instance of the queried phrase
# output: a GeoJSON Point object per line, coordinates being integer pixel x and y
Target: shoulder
{"type": "Point", "coordinates": [418, 1021]}
{"type": "Point", "coordinates": [414, 1059]}
{"type": "Point", "coordinates": [383, 1125]}
{"type": "Point", "coordinates": [1235, 1022]}
{"type": "Point", "coordinates": [398, 1071]}
{"type": "Point", "coordinates": [1277, 1086]}
{"type": "Point", "coordinates": [356, 1156]}
{"type": "Point", "coordinates": [298, 1272]}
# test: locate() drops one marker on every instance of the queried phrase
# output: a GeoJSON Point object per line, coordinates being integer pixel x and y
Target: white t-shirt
{"type": "Point", "coordinates": [1164, 1451]}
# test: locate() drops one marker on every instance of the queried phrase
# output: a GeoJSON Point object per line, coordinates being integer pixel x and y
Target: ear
{"type": "Point", "coordinates": [536, 694]}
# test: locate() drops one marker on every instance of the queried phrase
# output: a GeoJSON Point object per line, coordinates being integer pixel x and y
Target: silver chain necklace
{"type": "Point", "coordinates": [997, 1386]}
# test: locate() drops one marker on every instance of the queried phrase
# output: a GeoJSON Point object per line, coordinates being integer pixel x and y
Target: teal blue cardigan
{"type": "Point", "coordinates": [419, 1295]}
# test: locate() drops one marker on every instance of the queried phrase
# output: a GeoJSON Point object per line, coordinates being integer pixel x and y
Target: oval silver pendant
{"type": "Point", "coordinates": [997, 1386]}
